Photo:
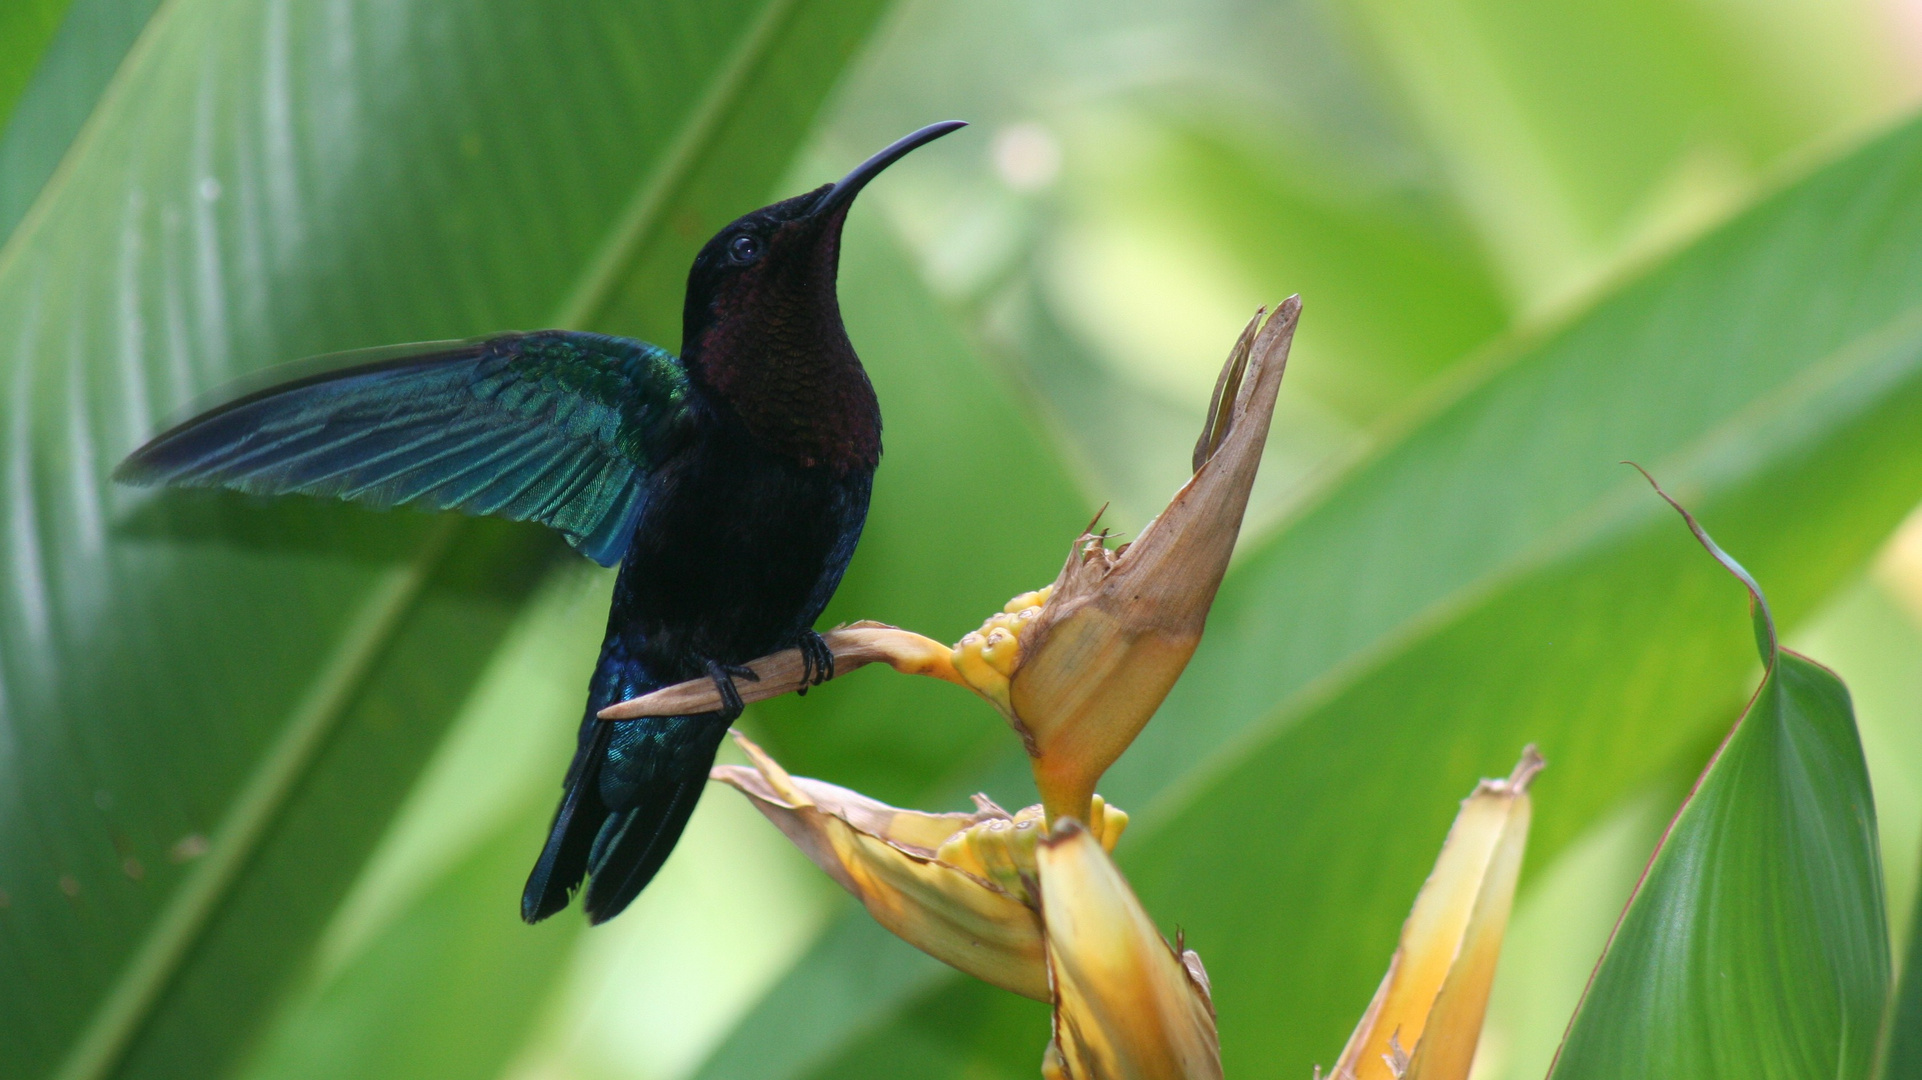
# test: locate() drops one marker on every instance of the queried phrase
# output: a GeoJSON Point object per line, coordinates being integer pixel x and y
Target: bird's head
{"type": "Point", "coordinates": [762, 317]}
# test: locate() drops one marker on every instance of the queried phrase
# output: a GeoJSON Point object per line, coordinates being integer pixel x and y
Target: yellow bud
{"type": "Point", "coordinates": [1001, 649]}
{"type": "Point", "coordinates": [975, 669]}
{"type": "Point", "coordinates": [1107, 823]}
{"type": "Point", "coordinates": [1033, 599]}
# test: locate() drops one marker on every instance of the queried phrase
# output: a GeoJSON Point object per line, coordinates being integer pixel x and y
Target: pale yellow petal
{"type": "Point", "coordinates": [887, 857]}
{"type": "Point", "coordinates": [1426, 1017]}
{"type": "Point", "coordinates": [1127, 1006]}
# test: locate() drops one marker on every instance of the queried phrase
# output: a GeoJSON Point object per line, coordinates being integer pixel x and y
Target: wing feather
{"type": "Point", "coordinates": [556, 427]}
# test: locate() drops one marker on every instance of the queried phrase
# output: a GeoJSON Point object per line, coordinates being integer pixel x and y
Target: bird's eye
{"type": "Point", "coordinates": [744, 248]}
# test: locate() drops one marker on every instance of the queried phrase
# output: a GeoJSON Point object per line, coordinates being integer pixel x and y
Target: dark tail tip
{"type": "Point", "coordinates": [563, 861]}
{"type": "Point", "coordinates": [633, 846]}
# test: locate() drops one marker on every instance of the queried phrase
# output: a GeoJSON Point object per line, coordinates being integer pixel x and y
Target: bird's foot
{"type": "Point", "coordinates": [724, 676]}
{"type": "Point", "coordinates": [817, 661]}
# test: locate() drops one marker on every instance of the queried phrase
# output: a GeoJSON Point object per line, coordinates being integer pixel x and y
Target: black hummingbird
{"type": "Point", "coordinates": [730, 484]}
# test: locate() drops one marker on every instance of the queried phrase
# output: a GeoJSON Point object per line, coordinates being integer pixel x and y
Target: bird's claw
{"type": "Point", "coordinates": [817, 661]}
{"type": "Point", "coordinates": [724, 675]}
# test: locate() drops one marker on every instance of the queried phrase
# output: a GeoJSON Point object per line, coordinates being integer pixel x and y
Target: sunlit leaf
{"type": "Point", "coordinates": [431, 921]}
{"type": "Point", "coordinates": [1572, 131]}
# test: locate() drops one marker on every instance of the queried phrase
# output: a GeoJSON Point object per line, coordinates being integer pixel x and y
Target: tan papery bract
{"type": "Point", "coordinates": [1128, 1006]}
{"type": "Point", "coordinates": [1426, 1018]}
{"type": "Point", "coordinates": [1120, 625]}
{"type": "Point", "coordinates": [959, 887]}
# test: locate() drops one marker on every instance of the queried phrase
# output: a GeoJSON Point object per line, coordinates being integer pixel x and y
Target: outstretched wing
{"type": "Point", "coordinates": [557, 427]}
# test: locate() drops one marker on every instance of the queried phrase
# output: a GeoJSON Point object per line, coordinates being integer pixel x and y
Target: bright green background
{"type": "Point", "coordinates": [270, 774]}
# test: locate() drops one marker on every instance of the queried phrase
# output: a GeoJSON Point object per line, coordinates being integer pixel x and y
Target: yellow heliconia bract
{"type": "Point", "coordinates": [1128, 1006]}
{"type": "Point", "coordinates": [1426, 1018]}
{"type": "Point", "coordinates": [957, 886]}
{"type": "Point", "coordinates": [1078, 667]}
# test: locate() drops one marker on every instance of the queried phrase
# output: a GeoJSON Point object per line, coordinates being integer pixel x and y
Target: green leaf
{"type": "Point", "coordinates": [81, 57]}
{"type": "Point", "coordinates": [25, 29]}
{"type": "Point", "coordinates": [447, 990]}
{"type": "Point", "coordinates": [1574, 130]}
{"type": "Point", "coordinates": [1494, 577]}
{"type": "Point", "coordinates": [1902, 1057]}
{"type": "Point", "coordinates": [211, 706]}
{"type": "Point", "coordinates": [1756, 943]}
{"type": "Point", "coordinates": [426, 969]}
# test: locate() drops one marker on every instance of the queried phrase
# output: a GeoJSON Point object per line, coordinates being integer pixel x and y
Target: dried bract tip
{"type": "Point", "coordinates": [1227, 388]}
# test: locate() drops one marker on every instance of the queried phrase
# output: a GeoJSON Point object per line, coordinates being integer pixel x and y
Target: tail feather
{"type": "Point", "coordinates": [578, 819]}
{"type": "Point", "coordinates": [656, 771]}
{"type": "Point", "coordinates": [629, 794]}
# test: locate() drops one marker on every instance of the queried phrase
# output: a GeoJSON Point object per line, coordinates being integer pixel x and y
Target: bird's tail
{"type": "Point", "coordinates": [629, 793]}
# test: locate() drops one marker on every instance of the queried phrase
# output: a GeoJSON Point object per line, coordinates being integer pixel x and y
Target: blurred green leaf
{"type": "Point", "coordinates": [25, 28]}
{"type": "Point", "coordinates": [1756, 943]}
{"type": "Point", "coordinates": [1902, 1057]}
{"type": "Point", "coordinates": [92, 37]}
{"type": "Point", "coordinates": [1573, 129]}
{"type": "Point", "coordinates": [1868, 638]}
{"type": "Point", "coordinates": [1316, 228]}
{"type": "Point", "coordinates": [212, 707]}
{"type": "Point", "coordinates": [447, 990]}
{"type": "Point", "coordinates": [425, 969]}
{"type": "Point", "coordinates": [1493, 577]}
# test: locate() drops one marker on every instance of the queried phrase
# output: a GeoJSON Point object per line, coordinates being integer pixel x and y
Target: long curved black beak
{"type": "Point", "coordinates": [844, 192]}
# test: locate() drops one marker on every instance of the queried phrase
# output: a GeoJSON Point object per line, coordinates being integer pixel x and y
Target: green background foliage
{"type": "Point", "coordinates": [271, 773]}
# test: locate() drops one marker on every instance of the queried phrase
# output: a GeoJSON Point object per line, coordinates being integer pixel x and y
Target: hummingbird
{"type": "Point", "coordinates": [729, 483]}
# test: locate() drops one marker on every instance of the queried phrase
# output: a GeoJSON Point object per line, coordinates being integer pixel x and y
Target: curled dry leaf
{"type": "Point", "coordinates": [1426, 1018]}
{"type": "Point", "coordinates": [1128, 1006]}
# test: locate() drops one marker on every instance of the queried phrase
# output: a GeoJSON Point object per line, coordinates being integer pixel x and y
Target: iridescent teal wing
{"type": "Point", "coordinates": [557, 427]}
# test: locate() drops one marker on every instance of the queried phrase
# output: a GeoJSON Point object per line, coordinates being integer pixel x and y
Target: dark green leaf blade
{"type": "Point", "coordinates": [1756, 943]}
{"type": "Point", "coordinates": [1902, 1052]}
{"type": "Point", "coordinates": [212, 707]}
